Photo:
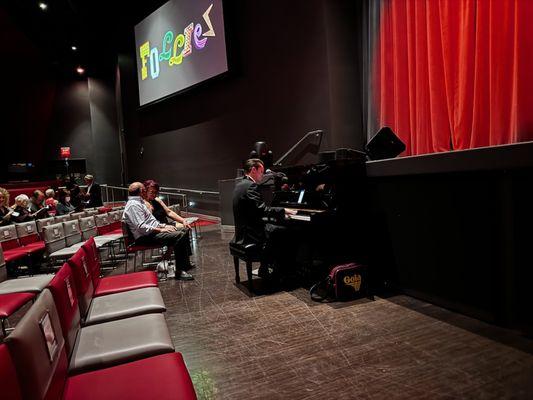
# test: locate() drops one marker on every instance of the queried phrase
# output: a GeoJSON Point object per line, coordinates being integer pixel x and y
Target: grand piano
{"type": "Point", "coordinates": [329, 191]}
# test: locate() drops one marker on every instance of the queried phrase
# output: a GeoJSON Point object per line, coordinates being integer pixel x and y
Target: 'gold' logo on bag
{"type": "Point", "coordinates": [353, 281]}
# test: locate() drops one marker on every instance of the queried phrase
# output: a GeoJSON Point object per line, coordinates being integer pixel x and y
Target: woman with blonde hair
{"type": "Point", "coordinates": [5, 211]}
{"type": "Point", "coordinates": [21, 213]}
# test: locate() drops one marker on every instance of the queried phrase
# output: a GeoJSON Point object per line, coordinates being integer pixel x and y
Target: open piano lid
{"type": "Point", "coordinates": [305, 151]}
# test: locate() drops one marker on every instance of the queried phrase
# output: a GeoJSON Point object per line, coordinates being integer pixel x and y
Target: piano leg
{"type": "Point", "coordinates": [236, 263]}
{"type": "Point", "coordinates": [249, 272]}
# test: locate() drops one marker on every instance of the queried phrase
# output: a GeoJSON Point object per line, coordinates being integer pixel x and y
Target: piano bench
{"type": "Point", "coordinates": [249, 253]}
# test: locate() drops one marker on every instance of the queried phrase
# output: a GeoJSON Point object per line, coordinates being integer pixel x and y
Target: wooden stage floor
{"type": "Point", "coordinates": [284, 346]}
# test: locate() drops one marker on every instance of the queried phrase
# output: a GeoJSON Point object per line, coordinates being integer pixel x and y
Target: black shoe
{"type": "Point", "coordinates": [190, 266]}
{"type": "Point", "coordinates": [183, 276]}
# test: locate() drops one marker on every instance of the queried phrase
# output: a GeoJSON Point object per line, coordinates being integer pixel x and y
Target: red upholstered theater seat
{"type": "Point", "coordinates": [161, 377]}
{"type": "Point", "coordinates": [125, 282]}
{"type": "Point", "coordinates": [10, 244]}
{"type": "Point", "coordinates": [10, 386]}
{"type": "Point", "coordinates": [115, 283]}
{"type": "Point", "coordinates": [28, 237]}
{"type": "Point", "coordinates": [11, 302]}
{"type": "Point", "coordinates": [26, 240]}
{"type": "Point", "coordinates": [14, 254]}
{"type": "Point", "coordinates": [34, 247]}
{"type": "Point", "coordinates": [44, 372]}
{"type": "Point", "coordinates": [65, 296]}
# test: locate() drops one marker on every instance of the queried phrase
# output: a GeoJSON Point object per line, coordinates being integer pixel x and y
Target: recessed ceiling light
{"type": "Point", "coordinates": [74, 48]}
{"type": "Point", "coordinates": [80, 70]}
{"type": "Point", "coordinates": [43, 6]}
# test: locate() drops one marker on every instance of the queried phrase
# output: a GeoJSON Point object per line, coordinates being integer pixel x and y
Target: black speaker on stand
{"type": "Point", "coordinates": [384, 144]}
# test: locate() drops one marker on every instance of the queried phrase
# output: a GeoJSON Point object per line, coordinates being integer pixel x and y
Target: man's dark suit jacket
{"type": "Point", "coordinates": [95, 196]}
{"type": "Point", "coordinates": [249, 210]}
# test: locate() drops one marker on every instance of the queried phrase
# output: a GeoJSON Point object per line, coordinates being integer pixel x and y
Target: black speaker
{"type": "Point", "coordinates": [384, 144]}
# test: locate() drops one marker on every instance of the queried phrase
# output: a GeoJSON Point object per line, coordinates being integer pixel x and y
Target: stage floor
{"type": "Point", "coordinates": [284, 346]}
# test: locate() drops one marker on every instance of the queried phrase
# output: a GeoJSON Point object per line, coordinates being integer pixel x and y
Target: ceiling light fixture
{"type": "Point", "coordinates": [43, 6]}
{"type": "Point", "coordinates": [74, 48]}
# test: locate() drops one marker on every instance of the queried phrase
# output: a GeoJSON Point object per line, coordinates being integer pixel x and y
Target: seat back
{"type": "Point", "coordinates": [3, 270]}
{"type": "Point", "coordinates": [129, 239]}
{"type": "Point", "coordinates": [41, 223]}
{"type": "Point", "coordinates": [78, 215]}
{"type": "Point", "coordinates": [54, 237]}
{"type": "Point", "coordinates": [27, 233]}
{"type": "Point", "coordinates": [61, 218]}
{"type": "Point", "coordinates": [91, 212]}
{"type": "Point", "coordinates": [83, 280]}
{"type": "Point", "coordinates": [72, 232]}
{"type": "Point", "coordinates": [10, 383]}
{"type": "Point", "coordinates": [37, 348]}
{"type": "Point", "coordinates": [114, 218]}
{"type": "Point", "coordinates": [8, 237]}
{"type": "Point", "coordinates": [63, 289]}
{"type": "Point", "coordinates": [91, 256]}
{"type": "Point", "coordinates": [88, 228]}
{"type": "Point", "coordinates": [102, 223]}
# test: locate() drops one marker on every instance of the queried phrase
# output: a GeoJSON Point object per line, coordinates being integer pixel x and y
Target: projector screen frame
{"type": "Point", "coordinates": [219, 77]}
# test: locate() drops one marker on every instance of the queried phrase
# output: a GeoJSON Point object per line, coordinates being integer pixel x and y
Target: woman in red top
{"type": "Point", "coordinates": [50, 201]}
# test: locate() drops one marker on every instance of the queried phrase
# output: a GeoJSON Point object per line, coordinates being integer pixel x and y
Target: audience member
{"type": "Point", "coordinates": [93, 194]}
{"type": "Point", "coordinates": [50, 201]}
{"type": "Point", "coordinates": [5, 210]}
{"type": "Point", "coordinates": [37, 207]}
{"type": "Point", "coordinates": [21, 213]}
{"type": "Point", "coordinates": [147, 230]}
{"type": "Point", "coordinates": [64, 206]}
{"type": "Point", "coordinates": [75, 193]}
{"type": "Point", "coordinates": [162, 213]}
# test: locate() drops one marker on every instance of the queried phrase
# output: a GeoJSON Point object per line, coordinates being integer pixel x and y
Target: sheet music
{"type": "Point", "coordinates": [306, 218]}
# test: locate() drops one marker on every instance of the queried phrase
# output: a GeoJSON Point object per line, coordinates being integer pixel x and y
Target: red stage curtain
{"type": "Point", "coordinates": [455, 74]}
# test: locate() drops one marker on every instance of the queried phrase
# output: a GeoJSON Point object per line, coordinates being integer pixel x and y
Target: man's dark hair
{"type": "Point", "coordinates": [251, 163]}
{"type": "Point", "coordinates": [36, 194]}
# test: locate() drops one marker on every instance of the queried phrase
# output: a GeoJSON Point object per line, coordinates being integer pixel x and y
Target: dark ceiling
{"type": "Point", "coordinates": [99, 29]}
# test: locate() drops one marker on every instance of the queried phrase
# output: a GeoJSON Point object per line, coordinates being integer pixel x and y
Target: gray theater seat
{"type": "Point", "coordinates": [34, 363]}
{"type": "Point", "coordinates": [112, 343]}
{"type": "Point", "coordinates": [32, 284]}
{"type": "Point", "coordinates": [124, 305]}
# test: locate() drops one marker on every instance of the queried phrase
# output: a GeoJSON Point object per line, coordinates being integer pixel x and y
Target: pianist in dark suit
{"type": "Point", "coordinates": [249, 209]}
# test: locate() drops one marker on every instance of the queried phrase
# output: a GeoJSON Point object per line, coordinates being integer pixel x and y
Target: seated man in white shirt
{"type": "Point", "coordinates": [147, 230]}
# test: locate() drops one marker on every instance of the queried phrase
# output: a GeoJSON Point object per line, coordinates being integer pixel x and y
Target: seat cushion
{"type": "Point", "coordinates": [14, 254]}
{"type": "Point", "coordinates": [250, 251]}
{"type": "Point", "coordinates": [35, 247]}
{"type": "Point", "coordinates": [11, 302]}
{"type": "Point", "coordinates": [65, 252]}
{"type": "Point", "coordinates": [33, 284]}
{"type": "Point", "coordinates": [118, 342]}
{"type": "Point", "coordinates": [124, 305]}
{"type": "Point", "coordinates": [103, 240]}
{"type": "Point", "coordinates": [125, 282]}
{"type": "Point", "coordinates": [77, 246]}
{"type": "Point", "coordinates": [161, 377]}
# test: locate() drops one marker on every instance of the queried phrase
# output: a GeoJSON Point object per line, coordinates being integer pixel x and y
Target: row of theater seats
{"type": "Point", "coordinates": [88, 337]}
{"type": "Point", "coordinates": [59, 237]}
